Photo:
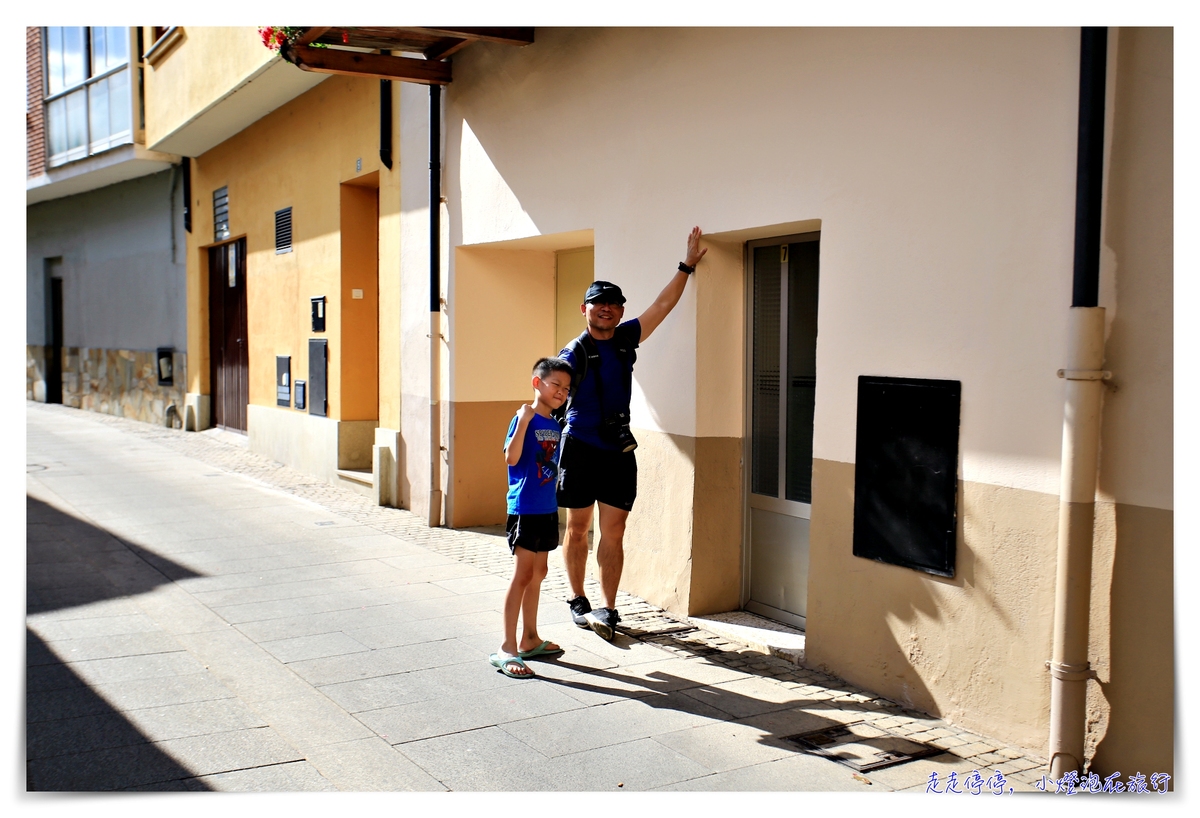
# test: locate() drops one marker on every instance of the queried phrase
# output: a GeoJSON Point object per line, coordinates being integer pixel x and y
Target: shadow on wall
{"type": "Point", "coordinates": [968, 649]}
{"type": "Point", "coordinates": [1139, 687]}
{"type": "Point", "coordinates": [75, 739]}
{"type": "Point", "coordinates": [1139, 683]}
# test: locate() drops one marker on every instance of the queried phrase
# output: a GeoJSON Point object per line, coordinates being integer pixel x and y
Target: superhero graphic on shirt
{"type": "Point", "coordinates": [547, 467]}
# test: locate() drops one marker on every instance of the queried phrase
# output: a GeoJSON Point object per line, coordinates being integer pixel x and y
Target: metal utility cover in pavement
{"type": "Point", "coordinates": [862, 747]}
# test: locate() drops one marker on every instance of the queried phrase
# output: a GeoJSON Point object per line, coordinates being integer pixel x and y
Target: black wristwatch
{"type": "Point", "coordinates": [683, 268]}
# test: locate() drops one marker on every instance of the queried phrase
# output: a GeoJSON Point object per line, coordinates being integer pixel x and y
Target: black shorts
{"type": "Point", "coordinates": [588, 474]}
{"type": "Point", "coordinates": [533, 532]}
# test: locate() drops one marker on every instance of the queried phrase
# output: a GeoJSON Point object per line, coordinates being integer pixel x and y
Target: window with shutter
{"type": "Point", "coordinates": [283, 231]}
{"type": "Point", "coordinates": [221, 213]}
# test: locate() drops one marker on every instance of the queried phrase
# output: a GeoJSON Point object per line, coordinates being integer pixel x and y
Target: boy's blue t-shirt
{"type": "Point", "coordinates": [532, 482]}
{"type": "Point", "coordinates": [585, 416]}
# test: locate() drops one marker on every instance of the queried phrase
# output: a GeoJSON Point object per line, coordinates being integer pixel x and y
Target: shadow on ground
{"type": "Point", "coordinates": [75, 740]}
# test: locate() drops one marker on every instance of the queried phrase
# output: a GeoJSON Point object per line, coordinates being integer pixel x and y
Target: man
{"type": "Point", "coordinates": [596, 460]}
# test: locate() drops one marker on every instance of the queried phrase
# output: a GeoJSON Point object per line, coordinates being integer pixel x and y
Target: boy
{"type": "Point", "coordinates": [531, 451]}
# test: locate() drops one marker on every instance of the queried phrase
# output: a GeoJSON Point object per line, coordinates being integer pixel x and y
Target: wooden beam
{"type": "Point", "coordinates": [358, 64]}
{"type": "Point", "coordinates": [445, 47]}
{"type": "Point", "coordinates": [310, 35]}
{"type": "Point", "coordinates": [507, 36]}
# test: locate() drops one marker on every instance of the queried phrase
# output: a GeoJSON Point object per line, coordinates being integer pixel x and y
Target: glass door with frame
{"type": "Point", "coordinates": [782, 390]}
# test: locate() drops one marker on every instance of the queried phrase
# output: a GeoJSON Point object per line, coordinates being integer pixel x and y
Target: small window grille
{"type": "Point", "coordinates": [221, 213]}
{"type": "Point", "coordinates": [283, 231]}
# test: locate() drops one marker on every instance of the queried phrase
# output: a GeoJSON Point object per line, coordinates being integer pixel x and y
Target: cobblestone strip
{"type": "Point", "coordinates": [639, 619]}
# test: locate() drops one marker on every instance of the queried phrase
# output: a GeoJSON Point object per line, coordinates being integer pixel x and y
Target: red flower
{"type": "Point", "coordinates": [345, 37]}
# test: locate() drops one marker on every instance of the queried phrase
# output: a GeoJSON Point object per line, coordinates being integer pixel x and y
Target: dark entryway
{"type": "Point", "coordinates": [54, 334]}
{"type": "Point", "coordinates": [228, 348]}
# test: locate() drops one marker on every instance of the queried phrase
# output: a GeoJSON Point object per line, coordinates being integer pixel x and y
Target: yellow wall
{"type": "Point", "coordinates": [574, 273]}
{"type": "Point", "coordinates": [202, 68]}
{"type": "Point", "coordinates": [299, 156]}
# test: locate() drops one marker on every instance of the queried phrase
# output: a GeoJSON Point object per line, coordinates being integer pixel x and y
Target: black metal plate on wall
{"type": "Point", "coordinates": [300, 394]}
{"type": "Point", "coordinates": [906, 472]}
{"type": "Point", "coordinates": [316, 376]}
{"type": "Point", "coordinates": [283, 380]}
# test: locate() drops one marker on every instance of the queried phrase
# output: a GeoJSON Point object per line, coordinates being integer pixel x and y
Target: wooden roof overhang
{"type": "Point", "coordinates": [385, 58]}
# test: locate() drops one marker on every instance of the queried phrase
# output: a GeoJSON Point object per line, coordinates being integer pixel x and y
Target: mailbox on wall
{"type": "Point", "coordinates": [283, 380]}
{"type": "Point", "coordinates": [318, 313]}
{"type": "Point", "coordinates": [165, 364]}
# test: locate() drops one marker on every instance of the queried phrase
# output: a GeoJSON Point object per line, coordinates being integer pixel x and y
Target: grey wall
{"type": "Point", "coordinates": [123, 265]}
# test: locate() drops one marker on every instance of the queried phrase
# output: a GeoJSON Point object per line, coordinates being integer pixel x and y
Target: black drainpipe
{"type": "Point", "coordinates": [435, 197]}
{"type": "Point", "coordinates": [1089, 169]}
{"type": "Point", "coordinates": [385, 120]}
{"type": "Point", "coordinates": [435, 304]}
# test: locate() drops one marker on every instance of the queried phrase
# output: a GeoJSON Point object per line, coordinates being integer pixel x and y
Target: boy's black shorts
{"type": "Point", "coordinates": [588, 474]}
{"type": "Point", "coordinates": [533, 532]}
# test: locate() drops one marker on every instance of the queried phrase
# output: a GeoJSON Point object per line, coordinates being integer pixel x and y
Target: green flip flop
{"type": "Point", "coordinates": [540, 650]}
{"type": "Point", "coordinates": [503, 661]}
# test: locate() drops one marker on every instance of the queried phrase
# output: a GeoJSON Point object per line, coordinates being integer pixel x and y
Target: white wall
{"type": "Point", "coordinates": [940, 162]}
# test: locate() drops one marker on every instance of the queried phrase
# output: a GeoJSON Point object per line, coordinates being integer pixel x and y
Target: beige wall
{"type": "Point", "coordinates": [939, 166]}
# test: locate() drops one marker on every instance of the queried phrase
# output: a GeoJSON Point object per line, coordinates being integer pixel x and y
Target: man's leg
{"type": "Point", "coordinates": [575, 550]}
{"type": "Point", "coordinates": [610, 553]}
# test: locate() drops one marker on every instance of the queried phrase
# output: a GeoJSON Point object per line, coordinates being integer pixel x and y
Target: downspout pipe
{"type": "Point", "coordinates": [1069, 665]}
{"type": "Point", "coordinates": [435, 304]}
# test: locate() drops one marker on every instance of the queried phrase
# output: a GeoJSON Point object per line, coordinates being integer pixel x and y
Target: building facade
{"type": "Point", "coordinates": [890, 220]}
{"type": "Point", "coordinates": [105, 309]}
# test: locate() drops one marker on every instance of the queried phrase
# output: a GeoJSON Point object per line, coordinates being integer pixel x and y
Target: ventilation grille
{"type": "Point", "coordinates": [283, 230]}
{"type": "Point", "coordinates": [221, 213]}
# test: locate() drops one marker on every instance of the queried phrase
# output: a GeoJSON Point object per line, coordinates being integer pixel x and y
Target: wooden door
{"type": "Point", "coordinates": [229, 357]}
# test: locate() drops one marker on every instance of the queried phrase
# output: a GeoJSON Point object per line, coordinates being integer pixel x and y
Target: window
{"type": "Point", "coordinates": [283, 231]}
{"type": "Point", "coordinates": [221, 213]}
{"type": "Point", "coordinates": [88, 103]}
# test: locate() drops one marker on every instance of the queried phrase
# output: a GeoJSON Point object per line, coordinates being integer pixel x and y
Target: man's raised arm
{"type": "Point", "coordinates": [669, 297]}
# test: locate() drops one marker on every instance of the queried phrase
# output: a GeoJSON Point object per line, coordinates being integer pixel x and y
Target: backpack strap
{"type": "Point", "coordinates": [586, 355]}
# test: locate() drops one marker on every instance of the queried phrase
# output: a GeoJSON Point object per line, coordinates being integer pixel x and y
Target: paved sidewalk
{"type": "Point", "coordinates": [202, 618]}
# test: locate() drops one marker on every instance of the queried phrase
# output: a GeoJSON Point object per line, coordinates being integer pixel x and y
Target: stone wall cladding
{"type": "Point", "coordinates": [119, 382]}
{"type": "Point", "coordinates": [35, 115]}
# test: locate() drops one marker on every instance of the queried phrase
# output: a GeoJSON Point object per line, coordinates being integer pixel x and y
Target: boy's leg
{"type": "Point", "coordinates": [529, 604]}
{"type": "Point", "coordinates": [522, 574]}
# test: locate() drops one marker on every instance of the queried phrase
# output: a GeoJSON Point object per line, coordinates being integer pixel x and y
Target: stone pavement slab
{"type": "Point", "coordinates": [470, 711]}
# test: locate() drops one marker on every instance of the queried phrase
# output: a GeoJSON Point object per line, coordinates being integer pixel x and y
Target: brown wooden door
{"type": "Point", "coordinates": [227, 342]}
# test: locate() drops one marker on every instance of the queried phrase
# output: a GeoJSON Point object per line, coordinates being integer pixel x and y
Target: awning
{"type": "Point", "coordinates": [378, 52]}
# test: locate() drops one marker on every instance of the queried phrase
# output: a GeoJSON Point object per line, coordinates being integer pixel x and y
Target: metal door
{"type": "Point", "coordinates": [227, 342]}
{"type": "Point", "coordinates": [782, 369]}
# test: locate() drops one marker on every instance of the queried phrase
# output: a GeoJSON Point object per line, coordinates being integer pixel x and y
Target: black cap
{"type": "Point", "coordinates": [603, 292]}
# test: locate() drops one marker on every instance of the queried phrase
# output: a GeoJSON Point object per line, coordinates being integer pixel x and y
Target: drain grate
{"type": "Point", "coordinates": [861, 746]}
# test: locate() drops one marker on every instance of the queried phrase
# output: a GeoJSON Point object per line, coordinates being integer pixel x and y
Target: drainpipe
{"type": "Point", "coordinates": [1069, 667]}
{"type": "Point", "coordinates": [435, 304]}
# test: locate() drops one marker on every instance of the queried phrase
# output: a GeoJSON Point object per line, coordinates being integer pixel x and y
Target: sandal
{"type": "Point", "coordinates": [543, 649]}
{"type": "Point", "coordinates": [504, 662]}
